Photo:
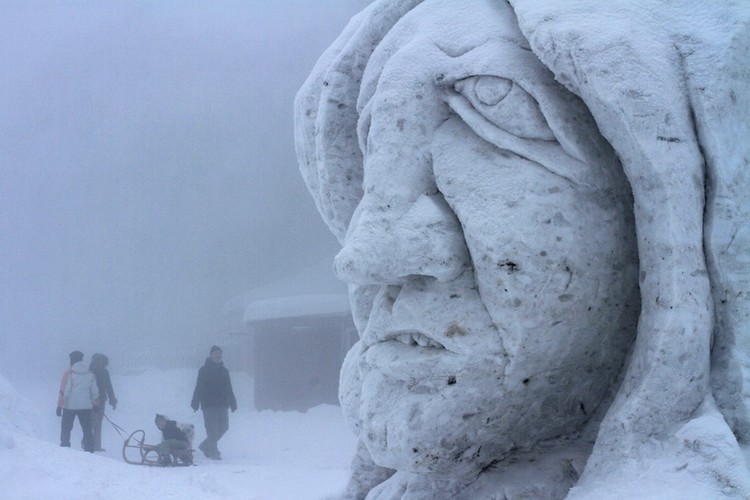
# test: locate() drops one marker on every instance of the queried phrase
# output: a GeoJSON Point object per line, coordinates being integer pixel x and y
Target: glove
{"type": "Point", "coordinates": [234, 408]}
{"type": "Point", "coordinates": [114, 404]}
{"type": "Point", "coordinates": [58, 412]}
{"type": "Point", "coordinates": [194, 405]}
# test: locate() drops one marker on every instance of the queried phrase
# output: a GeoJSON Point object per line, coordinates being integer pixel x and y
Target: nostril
{"type": "Point", "coordinates": [344, 265]}
{"type": "Point", "coordinates": [360, 264]}
{"type": "Point", "coordinates": [387, 246]}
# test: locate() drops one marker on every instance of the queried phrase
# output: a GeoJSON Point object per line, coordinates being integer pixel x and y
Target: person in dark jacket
{"type": "Point", "coordinates": [173, 438]}
{"type": "Point", "coordinates": [214, 395]}
{"type": "Point", "coordinates": [98, 367]}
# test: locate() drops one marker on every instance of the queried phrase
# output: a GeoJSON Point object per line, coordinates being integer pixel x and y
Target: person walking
{"type": "Point", "coordinates": [78, 395]}
{"type": "Point", "coordinates": [98, 367]}
{"type": "Point", "coordinates": [214, 395]}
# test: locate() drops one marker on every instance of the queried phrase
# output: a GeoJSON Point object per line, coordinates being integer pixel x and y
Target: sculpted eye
{"type": "Point", "coordinates": [506, 105]}
{"type": "Point", "coordinates": [490, 90]}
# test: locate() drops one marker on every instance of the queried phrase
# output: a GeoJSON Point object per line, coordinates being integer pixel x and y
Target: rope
{"type": "Point", "coordinates": [119, 429]}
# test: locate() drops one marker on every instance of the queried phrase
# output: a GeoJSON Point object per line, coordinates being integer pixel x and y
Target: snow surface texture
{"type": "Point", "coordinates": [267, 455]}
{"type": "Point", "coordinates": [545, 230]}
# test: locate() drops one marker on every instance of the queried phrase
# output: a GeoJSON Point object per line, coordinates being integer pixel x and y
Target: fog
{"type": "Point", "coordinates": [147, 172]}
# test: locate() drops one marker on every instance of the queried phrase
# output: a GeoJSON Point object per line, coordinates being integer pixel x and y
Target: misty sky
{"type": "Point", "coordinates": [147, 169]}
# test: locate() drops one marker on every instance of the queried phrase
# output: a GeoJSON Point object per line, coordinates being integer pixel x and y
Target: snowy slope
{"type": "Point", "coordinates": [267, 455]}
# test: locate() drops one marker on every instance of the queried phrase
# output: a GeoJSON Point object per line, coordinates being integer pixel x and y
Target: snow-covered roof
{"type": "Point", "coordinates": [297, 305]}
{"type": "Point", "coordinates": [317, 279]}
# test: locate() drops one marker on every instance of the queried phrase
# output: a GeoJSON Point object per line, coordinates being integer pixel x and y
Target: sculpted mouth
{"type": "Point", "coordinates": [413, 337]}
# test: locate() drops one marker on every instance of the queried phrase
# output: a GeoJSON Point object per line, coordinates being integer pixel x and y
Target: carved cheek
{"type": "Point", "coordinates": [542, 252]}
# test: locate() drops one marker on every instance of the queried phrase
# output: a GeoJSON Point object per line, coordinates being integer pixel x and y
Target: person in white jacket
{"type": "Point", "coordinates": [78, 396]}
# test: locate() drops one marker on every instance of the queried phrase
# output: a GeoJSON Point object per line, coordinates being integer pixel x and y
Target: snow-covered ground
{"type": "Point", "coordinates": [266, 455]}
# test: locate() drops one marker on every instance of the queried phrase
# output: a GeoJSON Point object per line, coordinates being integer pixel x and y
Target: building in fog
{"type": "Point", "coordinates": [299, 344]}
{"type": "Point", "coordinates": [293, 337]}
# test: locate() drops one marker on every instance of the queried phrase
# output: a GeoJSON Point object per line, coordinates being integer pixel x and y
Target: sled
{"type": "Point", "coordinates": [135, 451]}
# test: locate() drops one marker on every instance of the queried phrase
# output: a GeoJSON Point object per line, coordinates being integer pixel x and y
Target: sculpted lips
{"type": "Point", "coordinates": [411, 337]}
{"type": "Point", "coordinates": [407, 356]}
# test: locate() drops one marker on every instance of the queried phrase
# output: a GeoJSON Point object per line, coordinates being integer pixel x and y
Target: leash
{"type": "Point", "coordinates": [119, 429]}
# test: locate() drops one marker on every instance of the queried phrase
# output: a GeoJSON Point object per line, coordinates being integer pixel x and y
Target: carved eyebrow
{"type": "Point", "coordinates": [456, 51]}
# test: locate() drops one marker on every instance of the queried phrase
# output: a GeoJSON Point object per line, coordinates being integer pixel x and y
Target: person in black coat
{"type": "Point", "coordinates": [214, 395]}
{"type": "Point", "coordinates": [98, 367]}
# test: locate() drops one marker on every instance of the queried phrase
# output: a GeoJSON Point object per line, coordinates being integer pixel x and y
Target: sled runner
{"type": "Point", "coordinates": [136, 451]}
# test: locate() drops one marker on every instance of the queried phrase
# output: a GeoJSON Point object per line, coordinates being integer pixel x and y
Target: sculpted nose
{"type": "Point", "coordinates": [385, 246]}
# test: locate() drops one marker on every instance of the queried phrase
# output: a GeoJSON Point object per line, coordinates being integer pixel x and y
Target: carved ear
{"type": "Point", "coordinates": [653, 107]}
{"type": "Point", "coordinates": [651, 130]}
{"type": "Point", "coordinates": [326, 115]}
{"type": "Point", "coordinates": [669, 372]}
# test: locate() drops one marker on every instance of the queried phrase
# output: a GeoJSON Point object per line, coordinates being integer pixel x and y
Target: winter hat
{"type": "Point", "coordinates": [75, 357]}
{"type": "Point", "coordinates": [98, 360]}
{"type": "Point", "coordinates": [159, 418]}
{"type": "Point", "coordinates": [214, 348]}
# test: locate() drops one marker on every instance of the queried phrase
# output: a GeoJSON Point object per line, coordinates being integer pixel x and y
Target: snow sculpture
{"type": "Point", "coordinates": [544, 227]}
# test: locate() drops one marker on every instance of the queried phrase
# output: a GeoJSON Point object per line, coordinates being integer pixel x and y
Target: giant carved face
{"type": "Point", "coordinates": [491, 252]}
